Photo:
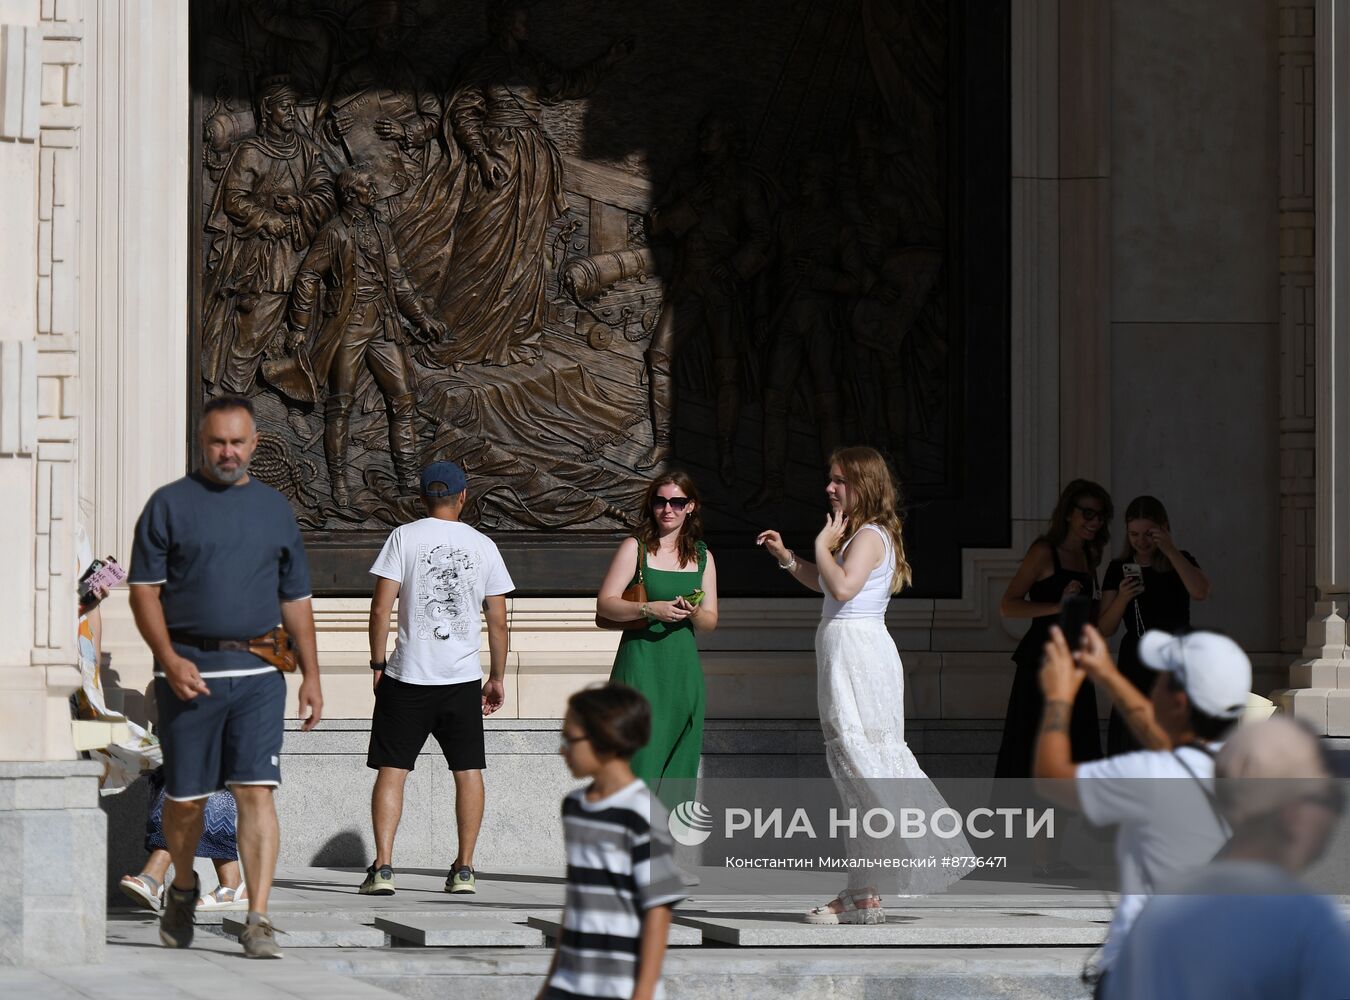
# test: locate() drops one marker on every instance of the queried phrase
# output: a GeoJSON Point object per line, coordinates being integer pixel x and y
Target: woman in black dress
{"type": "Point", "coordinates": [1159, 595]}
{"type": "Point", "coordinates": [1061, 563]}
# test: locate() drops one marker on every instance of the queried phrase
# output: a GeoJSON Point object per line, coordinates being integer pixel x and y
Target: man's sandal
{"type": "Point", "coordinates": [144, 890]}
{"type": "Point", "coordinates": [224, 898]}
{"type": "Point", "coordinates": [850, 912]}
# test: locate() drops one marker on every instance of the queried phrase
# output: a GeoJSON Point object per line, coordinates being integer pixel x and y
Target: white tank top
{"type": "Point", "coordinates": [871, 601]}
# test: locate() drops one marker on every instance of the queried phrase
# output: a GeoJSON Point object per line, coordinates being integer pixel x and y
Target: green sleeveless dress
{"type": "Point", "coordinates": [661, 661]}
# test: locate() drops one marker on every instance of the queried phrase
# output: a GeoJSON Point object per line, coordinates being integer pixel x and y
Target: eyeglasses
{"type": "Point", "coordinates": [1090, 514]}
{"type": "Point", "coordinates": [677, 504]}
{"type": "Point", "coordinates": [569, 741]}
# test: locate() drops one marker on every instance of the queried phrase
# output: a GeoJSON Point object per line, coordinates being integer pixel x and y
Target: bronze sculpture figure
{"type": "Point", "coordinates": [354, 261]}
{"type": "Point", "coordinates": [274, 195]}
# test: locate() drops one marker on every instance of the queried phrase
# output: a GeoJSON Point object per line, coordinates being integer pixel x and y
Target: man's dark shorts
{"type": "Point", "coordinates": [230, 737]}
{"type": "Point", "coordinates": [406, 714]}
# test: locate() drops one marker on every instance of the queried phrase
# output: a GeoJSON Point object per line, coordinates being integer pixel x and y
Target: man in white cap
{"type": "Point", "coordinates": [1165, 827]}
{"type": "Point", "coordinates": [1244, 926]}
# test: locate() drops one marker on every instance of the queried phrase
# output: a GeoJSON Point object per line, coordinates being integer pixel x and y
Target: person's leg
{"type": "Point", "coordinates": [259, 840]}
{"type": "Point", "coordinates": [227, 873]}
{"type": "Point", "coordinates": [254, 730]}
{"type": "Point", "coordinates": [386, 809]}
{"type": "Point", "coordinates": [469, 799]}
{"type": "Point", "coordinates": [157, 865]}
{"type": "Point", "coordinates": [459, 731]}
{"type": "Point", "coordinates": [182, 831]}
{"type": "Point", "coordinates": [399, 727]}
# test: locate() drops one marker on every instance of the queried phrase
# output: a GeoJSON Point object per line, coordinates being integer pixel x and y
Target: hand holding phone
{"type": "Point", "coordinates": [1074, 613]}
{"type": "Point", "coordinates": [101, 576]}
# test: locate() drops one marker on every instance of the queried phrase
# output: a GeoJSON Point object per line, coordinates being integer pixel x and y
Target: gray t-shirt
{"type": "Point", "coordinates": [225, 557]}
{"type": "Point", "coordinates": [1240, 930]}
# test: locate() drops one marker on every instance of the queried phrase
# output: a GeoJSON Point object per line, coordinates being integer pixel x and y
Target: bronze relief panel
{"type": "Point", "coordinates": [569, 244]}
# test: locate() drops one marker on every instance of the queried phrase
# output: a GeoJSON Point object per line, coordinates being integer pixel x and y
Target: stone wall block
{"type": "Point", "coordinates": [20, 82]}
{"type": "Point", "coordinates": [18, 397]}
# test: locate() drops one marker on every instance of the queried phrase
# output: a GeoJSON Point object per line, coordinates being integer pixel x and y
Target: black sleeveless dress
{"type": "Point", "coordinates": [1025, 702]}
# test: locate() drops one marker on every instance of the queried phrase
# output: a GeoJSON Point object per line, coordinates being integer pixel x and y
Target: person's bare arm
{"type": "Point", "coordinates": [1193, 578]}
{"type": "Point", "coordinates": [864, 554]}
{"type": "Point", "coordinates": [499, 639]}
{"type": "Point", "coordinates": [804, 572]}
{"type": "Point", "coordinates": [180, 672]}
{"type": "Point", "coordinates": [1132, 704]}
{"type": "Point", "coordinates": [381, 606]}
{"type": "Point", "coordinates": [1115, 602]}
{"type": "Point", "coordinates": [1037, 564]}
{"type": "Point", "coordinates": [298, 617]}
{"type": "Point", "coordinates": [651, 951]}
{"type": "Point", "coordinates": [705, 614]}
{"type": "Point", "coordinates": [1054, 769]}
{"type": "Point", "coordinates": [609, 602]}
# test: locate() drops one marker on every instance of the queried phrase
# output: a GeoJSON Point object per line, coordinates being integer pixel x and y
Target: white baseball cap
{"type": "Point", "coordinates": [1212, 669]}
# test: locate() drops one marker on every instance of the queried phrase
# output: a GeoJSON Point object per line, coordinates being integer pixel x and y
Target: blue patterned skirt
{"type": "Point", "coordinates": [218, 841]}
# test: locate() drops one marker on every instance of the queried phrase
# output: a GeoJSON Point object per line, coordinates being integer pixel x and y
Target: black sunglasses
{"type": "Point", "coordinates": [677, 504]}
{"type": "Point", "coordinates": [571, 741]}
{"type": "Point", "coordinates": [1089, 513]}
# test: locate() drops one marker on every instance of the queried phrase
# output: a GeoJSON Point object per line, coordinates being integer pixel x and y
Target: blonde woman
{"type": "Point", "coordinates": [859, 563]}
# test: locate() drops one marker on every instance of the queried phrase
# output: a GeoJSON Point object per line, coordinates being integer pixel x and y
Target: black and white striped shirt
{"type": "Point", "coordinates": [620, 864]}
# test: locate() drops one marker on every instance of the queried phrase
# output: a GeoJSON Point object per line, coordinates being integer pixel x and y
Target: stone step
{"type": "Point", "coordinates": [313, 932]}
{"type": "Point", "coordinates": [441, 931]}
{"type": "Point", "coordinates": [941, 928]}
{"type": "Point", "coordinates": [681, 935]}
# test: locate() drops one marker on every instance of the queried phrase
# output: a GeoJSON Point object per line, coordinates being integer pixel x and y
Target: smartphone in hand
{"type": "Point", "coordinates": [1074, 614]}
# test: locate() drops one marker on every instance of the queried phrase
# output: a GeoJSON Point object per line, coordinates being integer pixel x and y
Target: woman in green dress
{"type": "Point", "coordinates": [660, 659]}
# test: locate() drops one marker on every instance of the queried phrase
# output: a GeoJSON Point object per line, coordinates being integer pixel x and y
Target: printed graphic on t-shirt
{"type": "Point", "coordinates": [447, 578]}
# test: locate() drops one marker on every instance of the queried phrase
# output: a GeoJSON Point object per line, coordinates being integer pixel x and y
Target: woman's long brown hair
{"type": "Point", "coordinates": [876, 500]}
{"type": "Point", "coordinates": [649, 532]}
{"type": "Point", "coordinates": [1058, 529]}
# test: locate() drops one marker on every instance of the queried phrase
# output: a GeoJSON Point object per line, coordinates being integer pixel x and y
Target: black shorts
{"type": "Point", "coordinates": [406, 714]}
{"type": "Point", "coordinates": [230, 737]}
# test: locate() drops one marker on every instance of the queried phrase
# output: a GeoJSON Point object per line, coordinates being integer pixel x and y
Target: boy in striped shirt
{"type": "Point", "coordinates": [621, 875]}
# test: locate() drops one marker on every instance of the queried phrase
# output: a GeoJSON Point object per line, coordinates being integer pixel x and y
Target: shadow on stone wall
{"type": "Point", "coordinates": [342, 850]}
{"type": "Point", "coordinates": [126, 812]}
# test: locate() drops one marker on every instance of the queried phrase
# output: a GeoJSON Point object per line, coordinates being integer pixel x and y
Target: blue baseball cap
{"type": "Point", "coordinates": [443, 472]}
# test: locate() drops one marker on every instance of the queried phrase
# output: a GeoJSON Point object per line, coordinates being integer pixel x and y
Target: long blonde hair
{"type": "Point", "coordinates": [876, 500]}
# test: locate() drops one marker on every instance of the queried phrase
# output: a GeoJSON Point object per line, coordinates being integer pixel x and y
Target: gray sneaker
{"type": "Point", "coordinates": [259, 940]}
{"type": "Point", "coordinates": [461, 879]}
{"type": "Point", "coordinates": [180, 907]}
{"type": "Point", "coordinates": [378, 882]}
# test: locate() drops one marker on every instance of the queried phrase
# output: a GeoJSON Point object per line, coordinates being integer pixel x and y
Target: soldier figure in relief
{"type": "Point", "coordinates": [354, 261]}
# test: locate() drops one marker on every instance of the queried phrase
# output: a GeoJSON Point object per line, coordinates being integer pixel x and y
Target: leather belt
{"type": "Point", "coordinates": [209, 645]}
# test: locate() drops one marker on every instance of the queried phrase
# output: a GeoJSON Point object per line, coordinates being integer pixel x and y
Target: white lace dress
{"type": "Point", "coordinates": [860, 685]}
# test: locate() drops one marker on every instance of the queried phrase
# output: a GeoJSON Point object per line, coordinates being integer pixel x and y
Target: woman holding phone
{"type": "Point", "coordinates": [660, 656]}
{"type": "Point", "coordinates": [1059, 566]}
{"type": "Point", "coordinates": [1151, 585]}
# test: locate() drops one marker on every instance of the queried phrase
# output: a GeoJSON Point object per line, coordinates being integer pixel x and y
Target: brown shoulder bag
{"type": "Point", "coordinates": [637, 593]}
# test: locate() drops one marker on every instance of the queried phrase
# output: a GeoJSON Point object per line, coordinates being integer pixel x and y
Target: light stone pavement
{"type": "Point", "coordinates": [980, 939]}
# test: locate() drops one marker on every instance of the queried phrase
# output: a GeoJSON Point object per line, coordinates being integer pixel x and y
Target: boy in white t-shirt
{"type": "Point", "coordinates": [443, 572]}
{"type": "Point", "coordinates": [1161, 799]}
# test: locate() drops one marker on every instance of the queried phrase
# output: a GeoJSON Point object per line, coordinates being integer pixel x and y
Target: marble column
{"type": "Point", "coordinates": [1320, 682]}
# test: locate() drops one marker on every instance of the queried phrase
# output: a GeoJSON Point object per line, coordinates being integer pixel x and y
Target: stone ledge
{"type": "Point", "coordinates": [18, 769]}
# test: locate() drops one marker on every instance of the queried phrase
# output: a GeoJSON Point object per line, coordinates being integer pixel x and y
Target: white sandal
{"type": "Point", "coordinates": [224, 898]}
{"type": "Point", "coordinates": [850, 912]}
{"type": "Point", "coordinates": [143, 890]}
